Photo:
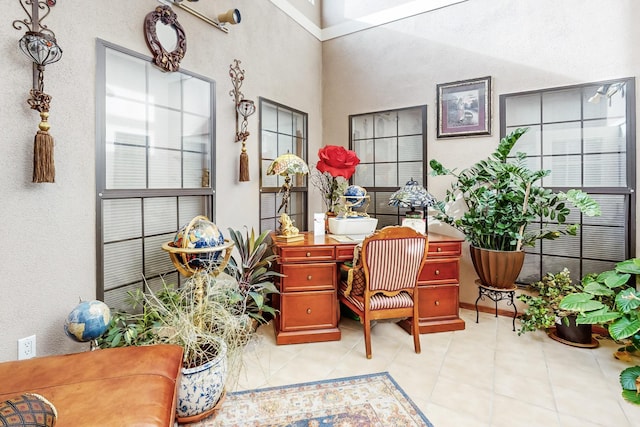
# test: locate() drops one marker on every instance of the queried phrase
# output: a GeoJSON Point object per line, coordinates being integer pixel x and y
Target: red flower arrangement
{"type": "Point", "coordinates": [337, 161]}
{"type": "Point", "coordinates": [334, 161]}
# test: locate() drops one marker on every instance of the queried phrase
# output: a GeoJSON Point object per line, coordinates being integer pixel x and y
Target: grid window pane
{"type": "Point", "coordinates": [158, 146]}
{"type": "Point", "coordinates": [391, 147]}
{"type": "Point", "coordinates": [282, 130]}
{"type": "Point", "coordinates": [583, 137]}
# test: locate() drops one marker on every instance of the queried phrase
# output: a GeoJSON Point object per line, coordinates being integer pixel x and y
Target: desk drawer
{"type": "Point", "coordinates": [440, 271]}
{"type": "Point", "coordinates": [438, 301]}
{"type": "Point", "coordinates": [307, 277]}
{"type": "Point", "coordinates": [344, 252]}
{"type": "Point", "coordinates": [308, 310]}
{"type": "Point", "coordinates": [444, 249]}
{"type": "Point", "coordinates": [306, 253]}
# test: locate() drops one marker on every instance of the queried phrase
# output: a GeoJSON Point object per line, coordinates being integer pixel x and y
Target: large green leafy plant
{"type": "Point", "coordinates": [610, 299]}
{"type": "Point", "coordinates": [503, 198]}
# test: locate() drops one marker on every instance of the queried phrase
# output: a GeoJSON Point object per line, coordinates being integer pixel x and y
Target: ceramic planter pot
{"type": "Point", "coordinates": [201, 387]}
{"type": "Point", "coordinates": [579, 334]}
{"type": "Point", "coordinates": [498, 269]}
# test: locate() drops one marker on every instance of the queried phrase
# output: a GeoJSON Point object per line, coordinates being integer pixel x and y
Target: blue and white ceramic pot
{"type": "Point", "coordinates": [201, 387]}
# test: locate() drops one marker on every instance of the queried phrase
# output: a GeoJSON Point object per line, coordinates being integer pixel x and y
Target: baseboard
{"type": "Point", "coordinates": [484, 309]}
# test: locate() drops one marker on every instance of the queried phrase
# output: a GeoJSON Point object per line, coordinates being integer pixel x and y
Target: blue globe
{"type": "Point", "coordinates": [355, 195]}
{"type": "Point", "coordinates": [87, 321]}
{"type": "Point", "coordinates": [199, 233]}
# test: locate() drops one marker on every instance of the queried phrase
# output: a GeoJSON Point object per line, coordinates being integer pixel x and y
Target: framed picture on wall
{"type": "Point", "coordinates": [464, 108]}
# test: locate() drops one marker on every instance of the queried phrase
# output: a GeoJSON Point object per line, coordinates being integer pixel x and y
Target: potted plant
{"type": "Point", "coordinates": [331, 175]}
{"type": "Point", "coordinates": [611, 299]}
{"type": "Point", "coordinates": [543, 310]}
{"type": "Point", "coordinates": [503, 199]}
{"type": "Point", "coordinates": [206, 316]}
{"type": "Point", "coordinates": [253, 272]}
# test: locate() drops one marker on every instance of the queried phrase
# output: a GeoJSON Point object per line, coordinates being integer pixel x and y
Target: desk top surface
{"type": "Point", "coordinates": [327, 240]}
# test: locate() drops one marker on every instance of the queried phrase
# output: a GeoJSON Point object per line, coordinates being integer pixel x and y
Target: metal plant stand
{"type": "Point", "coordinates": [495, 295]}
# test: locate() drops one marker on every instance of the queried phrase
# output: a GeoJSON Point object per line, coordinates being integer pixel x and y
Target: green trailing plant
{"type": "Point", "coordinates": [611, 299]}
{"type": "Point", "coordinates": [543, 305]}
{"type": "Point", "coordinates": [205, 309]}
{"type": "Point", "coordinates": [254, 273]}
{"type": "Point", "coordinates": [503, 198]}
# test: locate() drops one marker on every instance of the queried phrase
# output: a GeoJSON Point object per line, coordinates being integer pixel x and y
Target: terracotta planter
{"type": "Point", "coordinates": [498, 269]}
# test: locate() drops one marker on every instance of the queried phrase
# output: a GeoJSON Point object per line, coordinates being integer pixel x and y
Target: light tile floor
{"type": "Point", "coordinates": [485, 375]}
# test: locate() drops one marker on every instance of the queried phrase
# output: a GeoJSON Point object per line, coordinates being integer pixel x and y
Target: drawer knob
{"type": "Point", "coordinates": [308, 311]}
{"type": "Point", "coordinates": [437, 303]}
{"type": "Point", "coordinates": [437, 272]}
{"type": "Point", "coordinates": [309, 277]}
{"type": "Point", "coordinates": [308, 254]}
{"type": "Point", "coordinates": [439, 249]}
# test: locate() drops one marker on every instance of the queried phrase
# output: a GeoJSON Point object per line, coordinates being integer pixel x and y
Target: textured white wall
{"type": "Point", "coordinates": [524, 45]}
{"type": "Point", "coordinates": [47, 259]}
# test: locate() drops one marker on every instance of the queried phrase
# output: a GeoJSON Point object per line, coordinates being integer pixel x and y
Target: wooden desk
{"type": "Point", "coordinates": [439, 287]}
{"type": "Point", "coordinates": [308, 300]}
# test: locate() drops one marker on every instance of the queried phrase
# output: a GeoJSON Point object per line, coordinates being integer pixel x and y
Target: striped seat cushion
{"type": "Point", "coordinates": [379, 301]}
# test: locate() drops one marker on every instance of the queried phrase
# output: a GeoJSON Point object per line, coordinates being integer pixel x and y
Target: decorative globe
{"type": "Point", "coordinates": [200, 233]}
{"type": "Point", "coordinates": [355, 195]}
{"type": "Point", "coordinates": [87, 321]}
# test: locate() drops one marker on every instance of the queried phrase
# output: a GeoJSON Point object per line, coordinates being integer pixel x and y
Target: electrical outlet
{"type": "Point", "coordinates": [27, 347]}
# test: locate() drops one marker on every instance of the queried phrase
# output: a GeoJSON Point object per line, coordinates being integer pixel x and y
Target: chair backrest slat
{"type": "Point", "coordinates": [394, 263]}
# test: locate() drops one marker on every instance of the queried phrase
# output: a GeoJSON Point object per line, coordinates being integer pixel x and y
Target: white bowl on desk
{"type": "Point", "coordinates": [352, 226]}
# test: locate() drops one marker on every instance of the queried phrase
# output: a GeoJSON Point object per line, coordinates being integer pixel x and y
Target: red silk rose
{"type": "Point", "coordinates": [337, 161]}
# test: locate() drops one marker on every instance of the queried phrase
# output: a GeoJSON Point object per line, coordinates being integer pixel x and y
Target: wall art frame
{"type": "Point", "coordinates": [464, 108]}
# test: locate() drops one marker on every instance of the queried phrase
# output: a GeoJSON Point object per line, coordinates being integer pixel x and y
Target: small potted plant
{"type": "Point", "coordinates": [503, 199]}
{"type": "Point", "coordinates": [253, 271]}
{"type": "Point", "coordinates": [544, 311]}
{"type": "Point", "coordinates": [206, 317]}
{"type": "Point", "coordinates": [612, 299]}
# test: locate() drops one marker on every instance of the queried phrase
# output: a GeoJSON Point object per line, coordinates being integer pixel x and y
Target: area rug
{"type": "Point", "coordinates": [359, 401]}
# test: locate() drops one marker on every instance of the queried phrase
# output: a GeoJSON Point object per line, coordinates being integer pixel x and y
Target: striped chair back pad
{"type": "Point", "coordinates": [394, 263]}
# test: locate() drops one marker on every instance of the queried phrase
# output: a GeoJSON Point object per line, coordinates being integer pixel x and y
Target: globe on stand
{"type": "Point", "coordinates": [197, 246]}
{"type": "Point", "coordinates": [355, 197]}
{"type": "Point", "coordinates": [88, 321]}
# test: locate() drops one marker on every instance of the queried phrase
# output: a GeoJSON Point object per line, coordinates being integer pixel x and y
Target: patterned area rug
{"type": "Point", "coordinates": [360, 401]}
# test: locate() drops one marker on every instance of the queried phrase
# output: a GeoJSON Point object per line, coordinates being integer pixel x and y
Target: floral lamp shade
{"type": "Point", "coordinates": [287, 164]}
{"type": "Point", "coordinates": [412, 195]}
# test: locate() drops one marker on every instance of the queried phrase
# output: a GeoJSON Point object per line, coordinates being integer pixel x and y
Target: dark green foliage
{"type": "Point", "coordinates": [503, 199]}
{"type": "Point", "coordinates": [253, 270]}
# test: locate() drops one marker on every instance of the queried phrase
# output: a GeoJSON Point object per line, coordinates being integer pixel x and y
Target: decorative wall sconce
{"type": "Point", "coordinates": [232, 16]}
{"type": "Point", "coordinates": [244, 108]}
{"type": "Point", "coordinates": [40, 46]}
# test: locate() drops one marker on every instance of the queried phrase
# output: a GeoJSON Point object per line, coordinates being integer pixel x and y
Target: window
{"type": "Point", "coordinates": [391, 146]}
{"type": "Point", "coordinates": [282, 130]}
{"type": "Point", "coordinates": [154, 167]}
{"type": "Point", "coordinates": [585, 135]}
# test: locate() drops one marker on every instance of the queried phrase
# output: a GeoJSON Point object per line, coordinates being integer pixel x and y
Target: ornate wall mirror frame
{"type": "Point", "coordinates": [167, 61]}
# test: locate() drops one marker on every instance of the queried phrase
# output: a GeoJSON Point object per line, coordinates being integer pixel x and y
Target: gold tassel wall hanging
{"type": "Point", "coordinates": [39, 44]}
{"type": "Point", "coordinates": [244, 108]}
{"type": "Point", "coordinates": [44, 169]}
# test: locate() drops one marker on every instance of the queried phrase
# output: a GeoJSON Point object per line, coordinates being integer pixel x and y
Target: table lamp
{"type": "Point", "coordinates": [413, 195]}
{"type": "Point", "coordinates": [287, 165]}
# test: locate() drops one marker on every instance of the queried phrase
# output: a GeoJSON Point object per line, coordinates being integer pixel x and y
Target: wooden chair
{"type": "Point", "coordinates": [391, 259]}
